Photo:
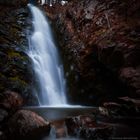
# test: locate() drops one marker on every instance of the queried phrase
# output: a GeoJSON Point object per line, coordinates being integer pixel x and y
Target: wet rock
{"type": "Point", "coordinates": [103, 111]}
{"type": "Point", "coordinates": [11, 100]}
{"type": "Point", "coordinates": [86, 127]}
{"type": "Point", "coordinates": [123, 110]}
{"type": "Point", "coordinates": [130, 106]}
{"type": "Point", "coordinates": [60, 128]}
{"type": "Point", "coordinates": [27, 125]}
{"type": "Point", "coordinates": [134, 101]}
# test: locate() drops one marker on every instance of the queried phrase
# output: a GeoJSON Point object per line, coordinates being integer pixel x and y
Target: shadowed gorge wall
{"type": "Point", "coordinates": [101, 40]}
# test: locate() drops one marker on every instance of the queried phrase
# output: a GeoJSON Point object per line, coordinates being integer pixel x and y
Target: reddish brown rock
{"type": "Point", "coordinates": [60, 128]}
{"type": "Point", "coordinates": [101, 39]}
{"type": "Point", "coordinates": [10, 100]}
{"type": "Point", "coordinates": [26, 124]}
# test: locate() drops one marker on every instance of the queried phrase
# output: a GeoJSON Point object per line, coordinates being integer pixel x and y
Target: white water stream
{"type": "Point", "coordinates": [46, 62]}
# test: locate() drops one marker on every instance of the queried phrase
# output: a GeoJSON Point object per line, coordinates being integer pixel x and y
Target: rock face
{"type": "Point", "coordinates": [9, 104]}
{"type": "Point", "coordinates": [27, 125]}
{"type": "Point", "coordinates": [15, 65]}
{"type": "Point", "coordinates": [10, 100]}
{"type": "Point", "coordinates": [19, 124]}
{"type": "Point", "coordinates": [125, 107]}
{"type": "Point", "coordinates": [100, 39]}
{"type": "Point", "coordinates": [86, 127]}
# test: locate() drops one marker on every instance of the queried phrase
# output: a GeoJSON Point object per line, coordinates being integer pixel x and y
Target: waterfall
{"type": "Point", "coordinates": [46, 62]}
{"type": "Point", "coordinates": [51, 2]}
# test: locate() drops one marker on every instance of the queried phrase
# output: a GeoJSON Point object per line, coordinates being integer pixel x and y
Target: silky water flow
{"type": "Point", "coordinates": [46, 62]}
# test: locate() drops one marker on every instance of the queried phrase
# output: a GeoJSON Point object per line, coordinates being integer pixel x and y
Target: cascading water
{"type": "Point", "coordinates": [46, 62]}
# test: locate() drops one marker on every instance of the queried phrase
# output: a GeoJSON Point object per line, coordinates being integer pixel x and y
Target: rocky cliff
{"type": "Point", "coordinates": [15, 66]}
{"type": "Point", "coordinates": [100, 39]}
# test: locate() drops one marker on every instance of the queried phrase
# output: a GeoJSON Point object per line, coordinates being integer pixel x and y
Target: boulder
{"type": "Point", "coordinates": [10, 100]}
{"type": "Point", "coordinates": [27, 125]}
{"type": "Point", "coordinates": [86, 127]}
{"type": "Point", "coordinates": [123, 110]}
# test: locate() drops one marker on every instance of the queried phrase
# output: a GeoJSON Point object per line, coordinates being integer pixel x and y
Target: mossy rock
{"type": "Point", "coordinates": [15, 66]}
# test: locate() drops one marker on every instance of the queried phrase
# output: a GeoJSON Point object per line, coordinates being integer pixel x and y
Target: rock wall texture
{"type": "Point", "coordinates": [14, 2]}
{"type": "Point", "coordinates": [15, 66]}
{"type": "Point", "coordinates": [27, 125]}
{"type": "Point", "coordinates": [100, 39]}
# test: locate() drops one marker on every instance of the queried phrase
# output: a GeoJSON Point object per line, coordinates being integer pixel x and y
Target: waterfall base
{"type": "Point", "coordinates": [57, 115]}
{"type": "Point", "coordinates": [52, 113]}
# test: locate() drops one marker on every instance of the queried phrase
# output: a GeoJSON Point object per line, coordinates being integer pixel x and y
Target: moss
{"type": "Point", "coordinates": [18, 55]}
{"type": "Point", "coordinates": [12, 54]}
{"type": "Point", "coordinates": [17, 82]}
